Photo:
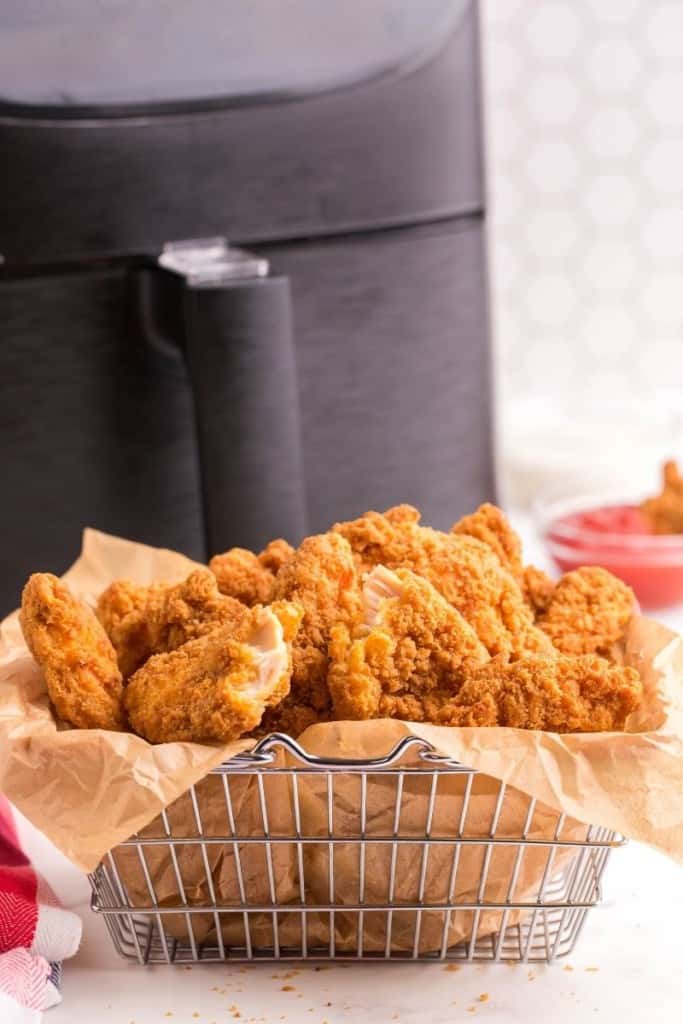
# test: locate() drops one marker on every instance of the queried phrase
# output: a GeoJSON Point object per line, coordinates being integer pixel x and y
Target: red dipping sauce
{"type": "Point", "coordinates": [616, 537]}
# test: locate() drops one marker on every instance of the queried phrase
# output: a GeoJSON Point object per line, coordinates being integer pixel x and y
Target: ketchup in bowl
{"type": "Point", "coordinates": [616, 536]}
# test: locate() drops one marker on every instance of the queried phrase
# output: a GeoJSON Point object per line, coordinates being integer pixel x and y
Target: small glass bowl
{"type": "Point", "coordinates": [650, 563]}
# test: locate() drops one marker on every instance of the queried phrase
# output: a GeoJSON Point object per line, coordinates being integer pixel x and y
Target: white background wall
{"type": "Point", "coordinates": [584, 106]}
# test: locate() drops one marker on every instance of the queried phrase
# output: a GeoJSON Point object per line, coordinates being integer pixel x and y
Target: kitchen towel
{"type": "Point", "coordinates": [36, 933]}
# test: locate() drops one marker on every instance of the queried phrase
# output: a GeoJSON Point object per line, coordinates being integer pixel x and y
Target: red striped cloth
{"type": "Point", "coordinates": [36, 933]}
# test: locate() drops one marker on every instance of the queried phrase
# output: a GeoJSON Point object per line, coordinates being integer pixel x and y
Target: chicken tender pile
{"type": "Point", "coordinates": [380, 617]}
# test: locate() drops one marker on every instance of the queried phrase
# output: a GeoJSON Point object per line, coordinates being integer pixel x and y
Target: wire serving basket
{"type": "Point", "coordinates": [282, 855]}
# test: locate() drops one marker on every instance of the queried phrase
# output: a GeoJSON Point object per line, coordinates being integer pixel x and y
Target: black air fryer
{"type": "Point", "coordinates": [243, 290]}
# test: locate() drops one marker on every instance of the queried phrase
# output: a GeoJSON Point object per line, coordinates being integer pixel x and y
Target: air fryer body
{"type": "Point", "coordinates": [365, 198]}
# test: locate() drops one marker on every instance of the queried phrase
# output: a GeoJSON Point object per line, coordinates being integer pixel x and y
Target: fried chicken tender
{"type": "Point", "coordinates": [275, 554]}
{"type": "Point", "coordinates": [321, 577]}
{"type": "Point", "coordinates": [465, 571]}
{"type": "Point", "coordinates": [215, 688]}
{"type": "Point", "coordinates": [74, 653]}
{"type": "Point", "coordinates": [588, 612]}
{"type": "Point", "coordinates": [664, 513]}
{"type": "Point", "coordinates": [407, 658]}
{"type": "Point", "coordinates": [561, 694]}
{"type": "Point", "coordinates": [248, 577]}
{"type": "Point", "coordinates": [141, 621]}
{"type": "Point", "coordinates": [242, 576]}
{"type": "Point", "coordinates": [403, 514]}
{"type": "Point", "coordinates": [538, 589]}
{"type": "Point", "coordinates": [490, 525]}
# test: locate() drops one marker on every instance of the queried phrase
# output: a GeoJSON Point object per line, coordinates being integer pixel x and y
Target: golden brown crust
{"type": "Point", "coordinates": [74, 653]}
{"type": "Point", "coordinates": [490, 525]}
{"type": "Point", "coordinates": [582, 694]}
{"type": "Point", "coordinates": [275, 554]}
{"type": "Point", "coordinates": [410, 661]}
{"type": "Point", "coordinates": [588, 612]}
{"type": "Point", "coordinates": [242, 575]}
{"type": "Point", "coordinates": [216, 687]}
{"type": "Point", "coordinates": [142, 621]}
{"type": "Point", "coordinates": [664, 512]}
{"type": "Point", "coordinates": [290, 718]}
{"type": "Point", "coordinates": [321, 577]}
{"type": "Point", "coordinates": [538, 589]}
{"type": "Point", "coordinates": [463, 569]}
{"type": "Point", "coordinates": [402, 514]}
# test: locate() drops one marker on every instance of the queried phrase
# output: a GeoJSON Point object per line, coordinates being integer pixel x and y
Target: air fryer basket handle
{"type": "Point", "coordinates": [241, 361]}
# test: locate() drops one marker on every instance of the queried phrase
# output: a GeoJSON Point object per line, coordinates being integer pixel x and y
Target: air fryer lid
{"type": "Point", "coordinates": [127, 124]}
{"type": "Point", "coordinates": [72, 54]}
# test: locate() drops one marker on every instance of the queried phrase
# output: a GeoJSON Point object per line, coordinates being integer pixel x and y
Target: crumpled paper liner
{"type": "Point", "coordinates": [88, 790]}
{"type": "Point", "coordinates": [440, 883]}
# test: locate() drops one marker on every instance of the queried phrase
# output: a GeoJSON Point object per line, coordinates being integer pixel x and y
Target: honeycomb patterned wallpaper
{"type": "Point", "coordinates": [584, 124]}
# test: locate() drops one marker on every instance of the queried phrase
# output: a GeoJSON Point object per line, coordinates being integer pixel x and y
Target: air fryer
{"type": "Point", "coordinates": [243, 291]}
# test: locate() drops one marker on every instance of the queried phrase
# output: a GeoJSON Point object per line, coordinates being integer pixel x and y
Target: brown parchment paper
{"type": "Point", "coordinates": [88, 790]}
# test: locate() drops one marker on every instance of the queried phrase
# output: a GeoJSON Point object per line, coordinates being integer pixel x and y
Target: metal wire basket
{"type": "Point", "coordinates": [281, 855]}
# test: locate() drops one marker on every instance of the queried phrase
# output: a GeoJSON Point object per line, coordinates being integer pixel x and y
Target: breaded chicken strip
{"type": "Point", "coordinates": [583, 694]}
{"type": "Point", "coordinates": [321, 577]}
{"type": "Point", "coordinates": [275, 554]}
{"type": "Point", "coordinates": [248, 577]}
{"type": "Point", "coordinates": [215, 688]}
{"type": "Point", "coordinates": [142, 621]}
{"type": "Point", "coordinates": [409, 655]}
{"type": "Point", "coordinates": [664, 513]}
{"type": "Point", "coordinates": [241, 575]}
{"type": "Point", "coordinates": [588, 612]}
{"type": "Point", "coordinates": [538, 589]}
{"type": "Point", "coordinates": [74, 653]}
{"type": "Point", "coordinates": [403, 514]}
{"type": "Point", "coordinates": [490, 525]}
{"type": "Point", "coordinates": [463, 569]}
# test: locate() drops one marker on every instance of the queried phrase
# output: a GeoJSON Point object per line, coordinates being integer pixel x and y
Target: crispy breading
{"type": "Point", "coordinates": [664, 512]}
{"type": "Point", "coordinates": [588, 612]}
{"type": "Point", "coordinates": [409, 655]}
{"type": "Point", "coordinates": [463, 569]}
{"type": "Point", "coordinates": [214, 688]}
{"type": "Point", "coordinates": [538, 589]}
{"type": "Point", "coordinates": [321, 577]}
{"type": "Point", "coordinates": [291, 718]}
{"type": "Point", "coordinates": [145, 620]}
{"type": "Point", "coordinates": [561, 694]}
{"type": "Point", "coordinates": [275, 554]}
{"type": "Point", "coordinates": [241, 575]}
{"type": "Point", "coordinates": [74, 653]}
{"type": "Point", "coordinates": [490, 525]}
{"type": "Point", "coordinates": [403, 514]}
{"type": "Point", "coordinates": [248, 577]}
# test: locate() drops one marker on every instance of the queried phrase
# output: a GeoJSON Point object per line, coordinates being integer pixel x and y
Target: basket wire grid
{"type": "Point", "coordinates": [540, 925]}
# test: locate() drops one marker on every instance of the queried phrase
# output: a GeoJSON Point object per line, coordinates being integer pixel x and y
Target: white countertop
{"type": "Point", "coordinates": [628, 960]}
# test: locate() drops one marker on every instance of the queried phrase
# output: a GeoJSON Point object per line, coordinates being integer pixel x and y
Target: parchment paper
{"type": "Point", "coordinates": [88, 790]}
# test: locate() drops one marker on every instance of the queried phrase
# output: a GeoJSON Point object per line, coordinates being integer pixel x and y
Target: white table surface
{"type": "Point", "coordinates": [627, 962]}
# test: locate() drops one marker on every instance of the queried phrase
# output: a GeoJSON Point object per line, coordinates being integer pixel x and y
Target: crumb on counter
{"type": "Point", "coordinates": [452, 967]}
{"type": "Point", "coordinates": [484, 997]}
